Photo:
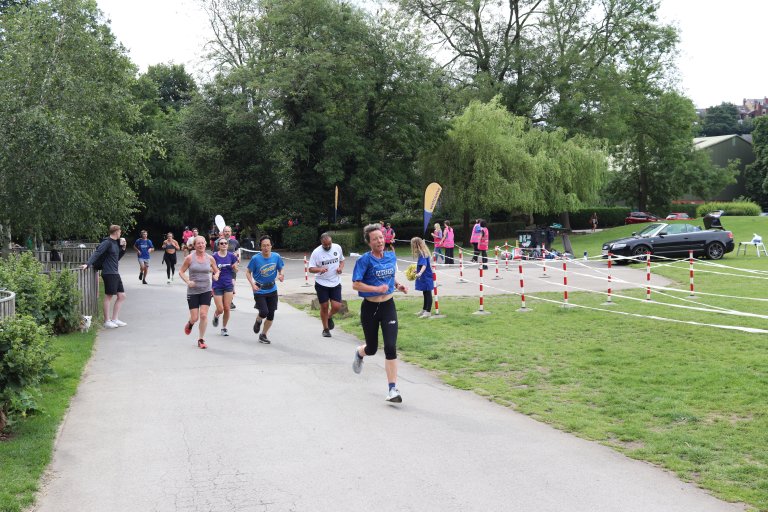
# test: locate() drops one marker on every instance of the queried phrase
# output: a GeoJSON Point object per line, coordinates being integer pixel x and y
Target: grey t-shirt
{"type": "Point", "coordinates": [200, 274]}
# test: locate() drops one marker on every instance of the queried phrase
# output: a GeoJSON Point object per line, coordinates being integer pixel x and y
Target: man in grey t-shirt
{"type": "Point", "coordinates": [327, 263]}
{"type": "Point", "coordinates": [234, 248]}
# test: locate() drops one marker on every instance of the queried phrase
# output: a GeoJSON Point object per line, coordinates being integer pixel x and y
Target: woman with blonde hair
{"type": "Point", "coordinates": [425, 282]}
{"type": "Point", "coordinates": [437, 238]}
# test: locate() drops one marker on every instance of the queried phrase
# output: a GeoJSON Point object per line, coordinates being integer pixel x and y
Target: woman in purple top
{"type": "Point", "coordinates": [224, 288]}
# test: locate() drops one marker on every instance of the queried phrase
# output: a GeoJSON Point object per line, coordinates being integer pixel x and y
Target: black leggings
{"type": "Point", "coordinates": [267, 304]}
{"type": "Point", "coordinates": [170, 264]}
{"type": "Point", "coordinates": [484, 256]}
{"type": "Point", "coordinates": [373, 314]}
{"type": "Point", "coordinates": [427, 300]}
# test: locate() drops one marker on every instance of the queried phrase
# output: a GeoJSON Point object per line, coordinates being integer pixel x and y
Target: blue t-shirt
{"type": "Point", "coordinates": [375, 272]}
{"type": "Point", "coordinates": [143, 246]}
{"type": "Point", "coordinates": [265, 271]}
{"type": "Point", "coordinates": [425, 282]}
{"type": "Point", "coordinates": [225, 270]}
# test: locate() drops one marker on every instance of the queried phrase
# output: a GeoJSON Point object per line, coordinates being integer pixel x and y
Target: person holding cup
{"type": "Point", "coordinates": [106, 258]}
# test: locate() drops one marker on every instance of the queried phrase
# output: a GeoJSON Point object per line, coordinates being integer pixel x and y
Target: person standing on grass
{"type": "Point", "coordinates": [389, 237]}
{"type": "Point", "coordinates": [437, 238]}
{"type": "Point", "coordinates": [201, 266]}
{"type": "Point", "coordinates": [264, 269]}
{"type": "Point", "coordinates": [474, 239]}
{"type": "Point", "coordinates": [106, 258]}
{"type": "Point", "coordinates": [448, 242]}
{"type": "Point", "coordinates": [482, 243]}
{"type": "Point", "coordinates": [374, 280]}
{"type": "Point", "coordinates": [170, 246]}
{"type": "Point", "coordinates": [593, 221]}
{"type": "Point", "coordinates": [224, 287]}
{"type": "Point", "coordinates": [425, 279]}
{"type": "Point", "coordinates": [144, 248]}
{"type": "Point", "coordinates": [327, 263]}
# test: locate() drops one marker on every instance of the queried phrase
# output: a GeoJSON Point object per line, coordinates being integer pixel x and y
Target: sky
{"type": "Point", "coordinates": [720, 49]}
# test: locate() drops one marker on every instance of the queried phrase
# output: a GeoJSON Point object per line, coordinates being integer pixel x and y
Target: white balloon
{"type": "Point", "coordinates": [219, 222]}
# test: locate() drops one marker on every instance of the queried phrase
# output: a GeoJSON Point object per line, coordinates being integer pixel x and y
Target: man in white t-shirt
{"type": "Point", "coordinates": [327, 263]}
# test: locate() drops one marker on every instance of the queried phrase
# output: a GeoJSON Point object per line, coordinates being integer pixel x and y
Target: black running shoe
{"type": "Point", "coordinates": [263, 339]}
{"type": "Point", "coordinates": [232, 306]}
{"type": "Point", "coordinates": [331, 325]}
{"type": "Point", "coordinates": [215, 320]}
{"type": "Point", "coordinates": [256, 326]}
{"type": "Point", "coordinates": [326, 333]}
{"type": "Point", "coordinates": [141, 276]}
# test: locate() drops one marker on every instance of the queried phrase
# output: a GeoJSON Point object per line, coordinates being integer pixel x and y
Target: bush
{"type": "Point", "coordinates": [350, 240]}
{"type": "Point", "coordinates": [64, 297]}
{"type": "Point", "coordinates": [23, 275]}
{"type": "Point", "coordinates": [744, 208]}
{"type": "Point", "coordinates": [26, 354]}
{"type": "Point", "coordinates": [300, 238]}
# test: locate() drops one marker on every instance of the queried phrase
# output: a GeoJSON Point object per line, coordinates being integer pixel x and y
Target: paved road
{"type": "Point", "coordinates": [159, 425]}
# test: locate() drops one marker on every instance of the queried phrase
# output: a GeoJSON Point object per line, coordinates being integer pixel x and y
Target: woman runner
{"type": "Point", "coordinates": [224, 287]}
{"type": "Point", "coordinates": [201, 266]}
{"type": "Point", "coordinates": [170, 246]}
{"type": "Point", "coordinates": [374, 280]}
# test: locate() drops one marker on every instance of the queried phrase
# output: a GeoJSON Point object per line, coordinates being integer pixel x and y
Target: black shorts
{"type": "Point", "coordinates": [113, 284]}
{"type": "Point", "coordinates": [199, 299]}
{"type": "Point", "coordinates": [267, 304]}
{"type": "Point", "coordinates": [324, 293]}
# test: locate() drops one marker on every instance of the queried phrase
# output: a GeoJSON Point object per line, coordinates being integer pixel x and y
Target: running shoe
{"type": "Point", "coordinates": [326, 333]}
{"type": "Point", "coordinates": [426, 314]}
{"type": "Point", "coordinates": [201, 344]}
{"type": "Point", "coordinates": [232, 306]}
{"type": "Point", "coordinates": [331, 325]}
{"type": "Point", "coordinates": [420, 313]}
{"type": "Point", "coordinates": [144, 281]}
{"type": "Point", "coordinates": [168, 281]}
{"type": "Point", "coordinates": [394, 396]}
{"type": "Point", "coordinates": [187, 328]}
{"type": "Point", "coordinates": [141, 276]}
{"type": "Point", "coordinates": [109, 324]}
{"type": "Point", "coordinates": [224, 332]}
{"type": "Point", "coordinates": [357, 364]}
{"type": "Point", "coordinates": [215, 320]}
{"type": "Point", "coordinates": [119, 323]}
{"type": "Point", "coordinates": [256, 326]}
{"type": "Point", "coordinates": [263, 339]}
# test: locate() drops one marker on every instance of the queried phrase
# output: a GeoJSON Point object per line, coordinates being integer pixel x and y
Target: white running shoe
{"type": "Point", "coordinates": [109, 324]}
{"type": "Point", "coordinates": [420, 313]}
{"type": "Point", "coordinates": [394, 396]}
{"type": "Point", "coordinates": [168, 281]}
{"type": "Point", "coordinates": [357, 364]}
{"type": "Point", "coordinates": [119, 323]}
{"type": "Point", "coordinates": [426, 314]}
{"type": "Point", "coordinates": [224, 332]}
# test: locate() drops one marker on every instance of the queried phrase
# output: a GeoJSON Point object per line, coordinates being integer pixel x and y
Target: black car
{"type": "Point", "coordinates": [665, 239]}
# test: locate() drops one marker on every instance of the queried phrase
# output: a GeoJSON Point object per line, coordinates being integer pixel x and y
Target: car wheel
{"type": "Point", "coordinates": [715, 251]}
{"type": "Point", "coordinates": [639, 252]}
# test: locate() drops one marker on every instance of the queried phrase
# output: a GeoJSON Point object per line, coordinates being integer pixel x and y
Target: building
{"type": "Point", "coordinates": [722, 149]}
{"type": "Point", "coordinates": [753, 108]}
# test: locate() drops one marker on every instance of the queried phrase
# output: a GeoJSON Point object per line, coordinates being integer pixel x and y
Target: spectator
{"type": "Point", "coordinates": [106, 258]}
{"type": "Point", "coordinates": [437, 238]}
{"type": "Point", "coordinates": [448, 242]}
{"type": "Point", "coordinates": [474, 239]}
{"type": "Point", "coordinates": [425, 282]}
{"type": "Point", "coordinates": [389, 238]}
{"type": "Point", "coordinates": [482, 243]}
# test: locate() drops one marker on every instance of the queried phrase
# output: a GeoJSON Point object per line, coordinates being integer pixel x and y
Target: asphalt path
{"type": "Point", "coordinates": [159, 425]}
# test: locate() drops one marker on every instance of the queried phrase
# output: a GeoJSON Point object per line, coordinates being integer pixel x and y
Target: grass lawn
{"type": "Point", "coordinates": [690, 398]}
{"type": "Point", "coordinates": [25, 455]}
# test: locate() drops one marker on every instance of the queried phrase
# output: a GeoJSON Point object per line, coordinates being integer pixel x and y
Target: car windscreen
{"type": "Point", "coordinates": [650, 230]}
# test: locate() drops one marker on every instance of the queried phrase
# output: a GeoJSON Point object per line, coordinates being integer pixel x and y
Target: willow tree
{"type": "Point", "coordinates": [493, 160]}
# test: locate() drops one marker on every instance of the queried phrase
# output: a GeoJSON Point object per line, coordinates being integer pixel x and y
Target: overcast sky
{"type": "Point", "coordinates": [721, 52]}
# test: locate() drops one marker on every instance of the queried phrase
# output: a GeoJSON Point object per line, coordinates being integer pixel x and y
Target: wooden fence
{"type": "Point", "coordinates": [7, 304]}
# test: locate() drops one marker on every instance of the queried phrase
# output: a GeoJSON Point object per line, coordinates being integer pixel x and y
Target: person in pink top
{"type": "Point", "coordinates": [389, 238]}
{"type": "Point", "coordinates": [437, 238]}
{"type": "Point", "coordinates": [482, 244]}
{"type": "Point", "coordinates": [474, 238]}
{"type": "Point", "coordinates": [448, 242]}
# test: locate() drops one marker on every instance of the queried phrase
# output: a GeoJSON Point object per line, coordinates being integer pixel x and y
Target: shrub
{"type": "Point", "coordinates": [23, 275]}
{"type": "Point", "coordinates": [350, 240]}
{"type": "Point", "coordinates": [26, 354]}
{"type": "Point", "coordinates": [300, 238]}
{"type": "Point", "coordinates": [64, 299]}
{"type": "Point", "coordinates": [745, 208]}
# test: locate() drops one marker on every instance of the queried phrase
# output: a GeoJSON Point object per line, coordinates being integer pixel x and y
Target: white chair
{"type": "Point", "coordinates": [757, 242]}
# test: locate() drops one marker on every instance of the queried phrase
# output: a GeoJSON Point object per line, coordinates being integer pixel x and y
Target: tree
{"type": "Point", "coordinates": [756, 173]}
{"type": "Point", "coordinates": [722, 119]}
{"type": "Point", "coordinates": [69, 155]}
{"type": "Point", "coordinates": [493, 160]}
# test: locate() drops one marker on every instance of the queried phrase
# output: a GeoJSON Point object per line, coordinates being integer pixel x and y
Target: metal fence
{"type": "Point", "coordinates": [7, 304]}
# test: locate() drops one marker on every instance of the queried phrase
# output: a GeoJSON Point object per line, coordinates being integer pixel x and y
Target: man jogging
{"type": "Point", "coordinates": [144, 247]}
{"type": "Point", "coordinates": [327, 263]}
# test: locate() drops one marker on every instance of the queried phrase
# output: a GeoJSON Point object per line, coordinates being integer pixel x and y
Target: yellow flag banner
{"type": "Point", "coordinates": [336, 204]}
{"type": "Point", "coordinates": [431, 195]}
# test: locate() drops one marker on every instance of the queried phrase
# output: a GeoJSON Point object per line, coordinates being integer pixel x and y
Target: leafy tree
{"type": "Point", "coordinates": [70, 156]}
{"type": "Point", "coordinates": [756, 173]}
{"type": "Point", "coordinates": [493, 160]}
{"type": "Point", "coordinates": [722, 119]}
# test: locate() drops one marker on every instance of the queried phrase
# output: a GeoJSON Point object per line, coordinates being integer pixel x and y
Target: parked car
{"type": "Point", "coordinates": [678, 216]}
{"type": "Point", "coordinates": [661, 238]}
{"type": "Point", "coordinates": [638, 217]}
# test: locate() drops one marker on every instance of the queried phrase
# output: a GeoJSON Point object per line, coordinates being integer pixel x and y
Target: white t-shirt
{"type": "Point", "coordinates": [330, 260]}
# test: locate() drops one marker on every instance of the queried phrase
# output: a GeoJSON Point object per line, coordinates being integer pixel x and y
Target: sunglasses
{"type": "Point", "coordinates": [223, 243]}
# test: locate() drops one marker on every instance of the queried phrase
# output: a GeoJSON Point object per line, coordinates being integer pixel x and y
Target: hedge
{"type": "Point", "coordinates": [744, 208]}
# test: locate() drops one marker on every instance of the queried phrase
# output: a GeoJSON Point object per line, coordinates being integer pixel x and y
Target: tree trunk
{"type": "Point", "coordinates": [565, 220]}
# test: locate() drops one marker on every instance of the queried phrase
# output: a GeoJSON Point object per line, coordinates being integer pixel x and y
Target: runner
{"type": "Point", "coordinates": [327, 262]}
{"type": "Point", "coordinates": [190, 245]}
{"type": "Point", "coordinates": [170, 246]}
{"type": "Point", "coordinates": [263, 269]}
{"type": "Point", "coordinates": [201, 265]}
{"type": "Point", "coordinates": [224, 287]}
{"type": "Point", "coordinates": [374, 280]}
{"type": "Point", "coordinates": [143, 248]}
{"type": "Point", "coordinates": [233, 246]}
{"type": "Point", "coordinates": [185, 236]}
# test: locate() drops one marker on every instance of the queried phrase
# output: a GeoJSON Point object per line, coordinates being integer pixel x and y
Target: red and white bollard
{"type": "Point", "coordinates": [522, 309]}
{"type": "Point", "coordinates": [609, 300]}
{"type": "Point", "coordinates": [482, 310]}
{"type": "Point", "coordinates": [461, 267]}
{"type": "Point", "coordinates": [543, 261]}
{"type": "Point", "coordinates": [434, 290]}
{"type": "Point", "coordinates": [509, 256]}
{"type": "Point", "coordinates": [647, 276]}
{"type": "Point", "coordinates": [690, 271]}
{"type": "Point", "coordinates": [565, 285]}
{"type": "Point", "coordinates": [497, 276]}
{"type": "Point", "coordinates": [306, 271]}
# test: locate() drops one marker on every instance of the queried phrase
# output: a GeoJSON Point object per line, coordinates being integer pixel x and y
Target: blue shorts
{"type": "Point", "coordinates": [325, 293]}
{"type": "Point", "coordinates": [219, 292]}
{"type": "Point", "coordinates": [144, 261]}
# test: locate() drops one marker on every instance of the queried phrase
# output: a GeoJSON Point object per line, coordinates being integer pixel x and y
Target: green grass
{"type": "Point", "coordinates": [692, 399]}
{"type": "Point", "coordinates": [25, 455]}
